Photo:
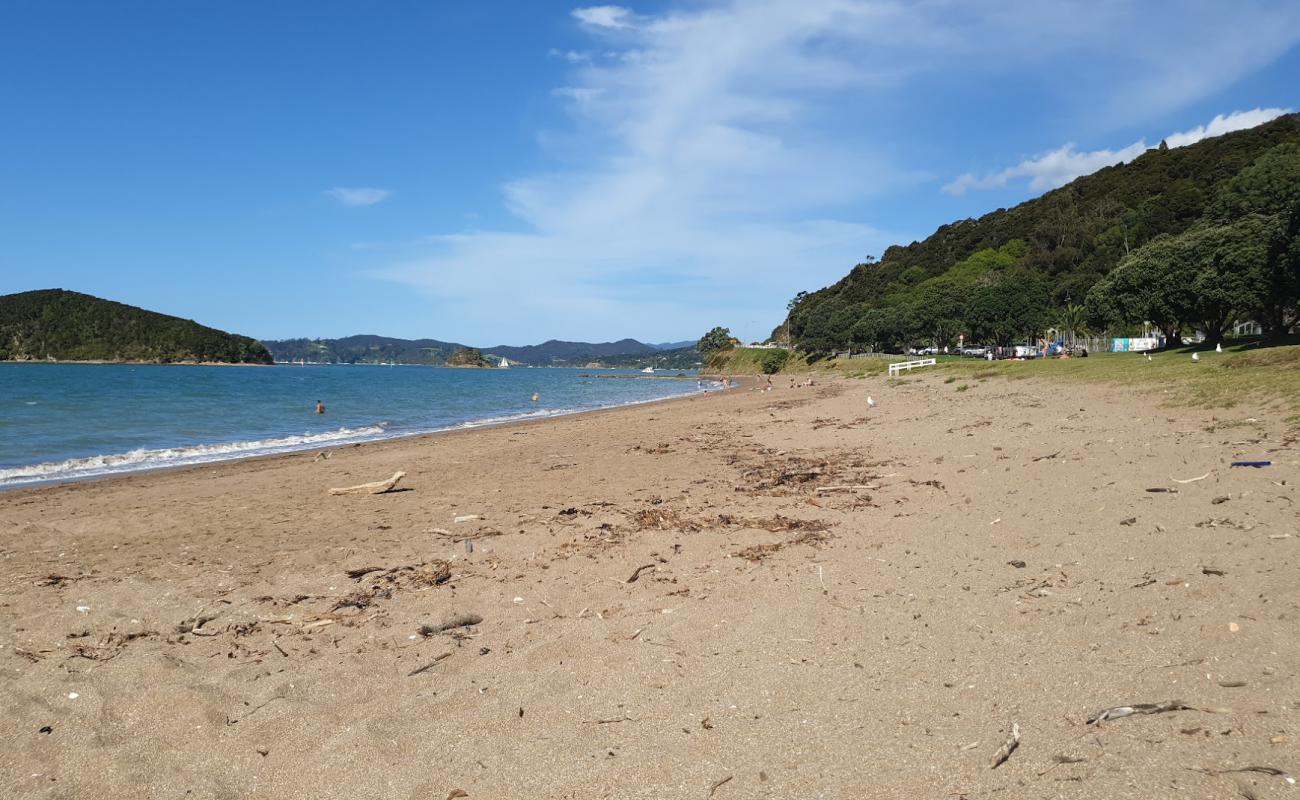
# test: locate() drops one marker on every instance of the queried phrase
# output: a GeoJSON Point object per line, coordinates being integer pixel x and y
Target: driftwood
{"type": "Point", "coordinates": [1140, 708]}
{"type": "Point", "coordinates": [377, 487]}
{"type": "Point", "coordinates": [1008, 747]}
{"type": "Point", "coordinates": [457, 621]}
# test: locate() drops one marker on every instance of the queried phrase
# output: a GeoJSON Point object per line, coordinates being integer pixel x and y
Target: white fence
{"type": "Point", "coordinates": [896, 368]}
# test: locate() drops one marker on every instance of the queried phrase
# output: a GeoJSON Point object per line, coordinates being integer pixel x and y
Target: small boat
{"type": "Point", "coordinates": [649, 370]}
{"type": "Point", "coordinates": [504, 364]}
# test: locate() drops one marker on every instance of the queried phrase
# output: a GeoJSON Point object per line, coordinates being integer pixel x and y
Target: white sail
{"type": "Point", "coordinates": [504, 364]}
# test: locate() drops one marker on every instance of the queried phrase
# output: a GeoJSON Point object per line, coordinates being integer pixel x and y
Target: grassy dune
{"type": "Point", "coordinates": [1245, 373]}
{"type": "Point", "coordinates": [1268, 376]}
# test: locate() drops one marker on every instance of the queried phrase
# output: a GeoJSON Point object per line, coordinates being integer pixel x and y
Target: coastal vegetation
{"type": "Point", "coordinates": [58, 325]}
{"type": "Point", "coordinates": [1189, 238]}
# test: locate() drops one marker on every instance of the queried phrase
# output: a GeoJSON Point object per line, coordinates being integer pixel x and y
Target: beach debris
{"type": "Point", "coordinates": [1129, 522]}
{"type": "Point", "coordinates": [1233, 684]}
{"type": "Point", "coordinates": [637, 572]}
{"type": "Point", "coordinates": [1220, 500]}
{"type": "Point", "coordinates": [1162, 490]}
{"type": "Point", "coordinates": [428, 666]}
{"type": "Point", "coordinates": [454, 793]}
{"type": "Point", "coordinates": [718, 783]}
{"type": "Point", "coordinates": [1233, 627]}
{"type": "Point", "coordinates": [323, 455]}
{"type": "Point", "coordinates": [851, 487]}
{"type": "Point", "coordinates": [1018, 564]}
{"type": "Point", "coordinates": [73, 695]}
{"type": "Point", "coordinates": [1139, 708]}
{"type": "Point", "coordinates": [360, 572]}
{"type": "Point", "coordinates": [451, 623]}
{"type": "Point", "coordinates": [467, 518]}
{"type": "Point", "coordinates": [1048, 456]}
{"type": "Point", "coordinates": [1008, 747]}
{"type": "Point", "coordinates": [1192, 480]}
{"type": "Point", "coordinates": [46, 729]}
{"type": "Point", "coordinates": [1273, 771]}
{"type": "Point", "coordinates": [469, 545]}
{"type": "Point", "coordinates": [1255, 464]}
{"type": "Point", "coordinates": [1213, 571]}
{"type": "Point", "coordinates": [195, 624]}
{"type": "Point", "coordinates": [376, 487]}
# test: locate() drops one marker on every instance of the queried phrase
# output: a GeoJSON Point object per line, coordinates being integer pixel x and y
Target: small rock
{"type": "Point", "coordinates": [1018, 564]}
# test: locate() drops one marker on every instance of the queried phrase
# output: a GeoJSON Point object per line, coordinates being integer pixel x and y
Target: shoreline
{"type": "Point", "coordinates": [313, 448]}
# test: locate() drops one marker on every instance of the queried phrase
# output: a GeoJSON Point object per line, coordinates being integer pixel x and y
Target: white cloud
{"type": "Point", "coordinates": [1060, 166]}
{"type": "Point", "coordinates": [357, 197]}
{"type": "Point", "coordinates": [1236, 121]}
{"type": "Point", "coordinates": [604, 16]}
{"type": "Point", "coordinates": [571, 56]}
{"type": "Point", "coordinates": [720, 153]}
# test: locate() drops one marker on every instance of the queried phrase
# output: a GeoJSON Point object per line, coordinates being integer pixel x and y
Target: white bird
{"type": "Point", "coordinates": [1218, 348]}
{"type": "Point", "coordinates": [1196, 356]}
{"type": "Point", "coordinates": [870, 402]}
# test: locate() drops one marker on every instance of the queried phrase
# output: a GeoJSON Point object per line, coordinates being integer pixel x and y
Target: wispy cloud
{"type": "Point", "coordinates": [358, 196]}
{"type": "Point", "coordinates": [604, 16]}
{"type": "Point", "coordinates": [1060, 166]}
{"type": "Point", "coordinates": [719, 154]}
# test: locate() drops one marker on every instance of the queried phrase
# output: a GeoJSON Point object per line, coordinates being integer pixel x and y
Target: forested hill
{"type": "Point", "coordinates": [1016, 271]}
{"type": "Point", "coordinates": [69, 326]}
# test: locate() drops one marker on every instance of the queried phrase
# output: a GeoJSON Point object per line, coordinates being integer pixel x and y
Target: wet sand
{"type": "Point", "coordinates": [781, 594]}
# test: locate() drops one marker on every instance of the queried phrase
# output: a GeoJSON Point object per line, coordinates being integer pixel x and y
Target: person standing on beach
{"type": "Point", "coordinates": [320, 407]}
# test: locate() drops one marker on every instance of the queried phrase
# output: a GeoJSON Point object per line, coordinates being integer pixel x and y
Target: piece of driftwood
{"type": "Point", "coordinates": [376, 487]}
{"type": "Point", "coordinates": [1190, 480]}
{"type": "Point", "coordinates": [1008, 747]}
{"type": "Point", "coordinates": [637, 572]}
{"type": "Point", "coordinates": [428, 666]}
{"type": "Point", "coordinates": [457, 621]}
{"type": "Point", "coordinates": [1139, 708]}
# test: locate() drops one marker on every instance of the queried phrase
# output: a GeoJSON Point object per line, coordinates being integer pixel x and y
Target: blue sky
{"type": "Point", "coordinates": [499, 172]}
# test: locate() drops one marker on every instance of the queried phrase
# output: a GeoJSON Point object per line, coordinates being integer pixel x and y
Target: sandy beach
{"type": "Point", "coordinates": [776, 594]}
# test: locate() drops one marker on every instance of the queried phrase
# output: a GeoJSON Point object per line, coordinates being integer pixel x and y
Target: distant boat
{"type": "Point", "coordinates": [504, 364]}
{"type": "Point", "coordinates": [649, 370]}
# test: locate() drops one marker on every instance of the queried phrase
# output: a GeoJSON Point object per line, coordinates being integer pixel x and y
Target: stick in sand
{"type": "Point", "coordinates": [378, 487]}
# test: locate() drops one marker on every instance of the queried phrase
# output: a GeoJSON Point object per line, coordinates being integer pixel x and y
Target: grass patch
{"type": "Point", "coordinates": [950, 379]}
{"type": "Point", "coordinates": [1245, 373]}
{"type": "Point", "coordinates": [963, 387]}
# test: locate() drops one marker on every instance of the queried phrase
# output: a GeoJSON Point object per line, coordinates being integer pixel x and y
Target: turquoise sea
{"type": "Point", "coordinates": [67, 421]}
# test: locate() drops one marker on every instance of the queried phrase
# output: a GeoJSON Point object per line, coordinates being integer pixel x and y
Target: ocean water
{"type": "Point", "coordinates": [68, 421]}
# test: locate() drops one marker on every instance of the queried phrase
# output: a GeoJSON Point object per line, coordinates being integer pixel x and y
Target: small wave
{"type": "Point", "coordinates": [178, 456]}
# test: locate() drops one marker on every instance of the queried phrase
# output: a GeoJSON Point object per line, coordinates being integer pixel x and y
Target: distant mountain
{"type": "Point", "coordinates": [554, 353]}
{"type": "Point", "coordinates": [674, 345]}
{"type": "Point", "coordinates": [70, 326]}
{"type": "Point", "coordinates": [363, 349]}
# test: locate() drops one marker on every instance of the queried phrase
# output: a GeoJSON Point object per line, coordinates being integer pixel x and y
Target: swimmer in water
{"type": "Point", "coordinates": [320, 407]}
{"type": "Point", "coordinates": [536, 397]}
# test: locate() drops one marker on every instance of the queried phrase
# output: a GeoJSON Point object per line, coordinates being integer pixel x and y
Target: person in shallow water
{"type": "Point", "coordinates": [536, 396]}
{"type": "Point", "coordinates": [320, 407]}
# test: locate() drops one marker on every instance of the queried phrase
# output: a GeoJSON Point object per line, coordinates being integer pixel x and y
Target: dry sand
{"type": "Point", "coordinates": [194, 634]}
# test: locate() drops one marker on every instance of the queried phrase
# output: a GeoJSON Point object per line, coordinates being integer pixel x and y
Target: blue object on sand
{"type": "Point", "coordinates": [1252, 464]}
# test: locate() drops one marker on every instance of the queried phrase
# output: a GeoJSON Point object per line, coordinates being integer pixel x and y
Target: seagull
{"type": "Point", "coordinates": [870, 402]}
{"type": "Point", "coordinates": [1218, 348]}
{"type": "Point", "coordinates": [1196, 356]}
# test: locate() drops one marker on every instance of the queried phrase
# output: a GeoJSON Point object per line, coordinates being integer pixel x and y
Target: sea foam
{"type": "Point", "coordinates": [142, 459]}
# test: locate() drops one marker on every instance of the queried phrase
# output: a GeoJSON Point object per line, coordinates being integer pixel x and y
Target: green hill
{"type": "Point", "coordinates": [1013, 272]}
{"type": "Point", "coordinates": [69, 326]}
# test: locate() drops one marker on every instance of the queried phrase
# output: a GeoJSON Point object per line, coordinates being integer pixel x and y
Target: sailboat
{"type": "Point", "coordinates": [648, 370]}
{"type": "Point", "coordinates": [504, 364]}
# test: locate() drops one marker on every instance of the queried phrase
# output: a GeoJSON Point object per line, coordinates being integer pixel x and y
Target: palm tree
{"type": "Point", "coordinates": [1072, 320]}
